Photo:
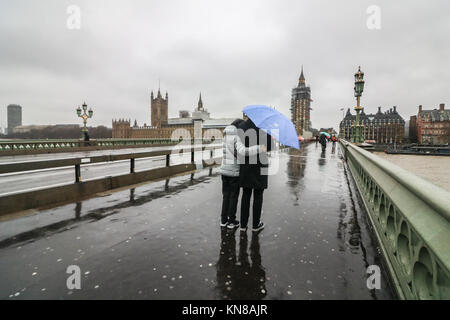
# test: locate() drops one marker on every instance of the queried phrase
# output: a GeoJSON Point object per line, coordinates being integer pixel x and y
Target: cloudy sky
{"type": "Point", "coordinates": [235, 52]}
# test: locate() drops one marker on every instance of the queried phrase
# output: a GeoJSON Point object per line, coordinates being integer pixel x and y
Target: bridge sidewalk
{"type": "Point", "coordinates": [162, 240]}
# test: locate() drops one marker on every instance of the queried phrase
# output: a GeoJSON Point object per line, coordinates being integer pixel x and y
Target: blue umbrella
{"type": "Point", "coordinates": [325, 133]}
{"type": "Point", "coordinates": [274, 123]}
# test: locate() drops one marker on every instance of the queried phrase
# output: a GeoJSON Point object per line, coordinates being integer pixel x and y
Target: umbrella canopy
{"type": "Point", "coordinates": [325, 133]}
{"type": "Point", "coordinates": [274, 123]}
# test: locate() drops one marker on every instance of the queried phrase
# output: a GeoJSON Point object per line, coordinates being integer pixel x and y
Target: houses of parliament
{"type": "Point", "coordinates": [161, 126]}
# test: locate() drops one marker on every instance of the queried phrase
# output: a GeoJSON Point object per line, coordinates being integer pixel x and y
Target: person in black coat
{"type": "Point", "coordinates": [253, 174]}
{"type": "Point", "coordinates": [86, 138]}
{"type": "Point", "coordinates": [323, 141]}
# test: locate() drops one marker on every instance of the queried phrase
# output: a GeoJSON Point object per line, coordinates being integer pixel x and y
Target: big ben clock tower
{"type": "Point", "coordinates": [300, 106]}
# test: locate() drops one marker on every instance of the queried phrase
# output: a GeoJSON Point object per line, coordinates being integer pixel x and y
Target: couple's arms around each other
{"type": "Point", "coordinates": [250, 151]}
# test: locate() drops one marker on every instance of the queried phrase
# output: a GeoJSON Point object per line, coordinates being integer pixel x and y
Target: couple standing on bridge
{"type": "Point", "coordinates": [244, 163]}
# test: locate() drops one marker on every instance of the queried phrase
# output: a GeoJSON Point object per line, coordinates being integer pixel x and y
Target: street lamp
{"type": "Point", "coordinates": [84, 116]}
{"type": "Point", "coordinates": [359, 88]}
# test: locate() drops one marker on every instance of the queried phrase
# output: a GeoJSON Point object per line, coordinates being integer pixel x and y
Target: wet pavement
{"type": "Point", "coordinates": [162, 240]}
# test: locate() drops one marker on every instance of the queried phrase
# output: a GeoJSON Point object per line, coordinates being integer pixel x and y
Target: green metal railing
{"type": "Point", "coordinates": [411, 218]}
{"type": "Point", "coordinates": [201, 156]}
{"type": "Point", "coordinates": [58, 144]}
{"type": "Point", "coordinates": [10, 145]}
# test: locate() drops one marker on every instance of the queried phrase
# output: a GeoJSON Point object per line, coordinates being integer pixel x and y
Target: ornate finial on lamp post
{"type": "Point", "coordinates": [357, 136]}
{"type": "Point", "coordinates": [84, 115]}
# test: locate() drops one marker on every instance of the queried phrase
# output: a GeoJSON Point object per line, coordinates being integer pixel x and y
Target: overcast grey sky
{"type": "Point", "coordinates": [235, 52]}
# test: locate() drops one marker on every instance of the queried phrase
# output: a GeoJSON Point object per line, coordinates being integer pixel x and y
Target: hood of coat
{"type": "Point", "coordinates": [230, 130]}
{"type": "Point", "coordinates": [248, 124]}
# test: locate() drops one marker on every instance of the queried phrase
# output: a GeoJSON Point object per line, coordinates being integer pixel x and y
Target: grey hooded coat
{"type": "Point", "coordinates": [233, 148]}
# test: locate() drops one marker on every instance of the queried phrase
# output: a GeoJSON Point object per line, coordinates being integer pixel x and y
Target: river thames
{"type": "Point", "coordinates": [435, 169]}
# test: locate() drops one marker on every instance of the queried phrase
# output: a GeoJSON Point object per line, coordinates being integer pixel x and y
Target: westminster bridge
{"type": "Point", "coordinates": [145, 225]}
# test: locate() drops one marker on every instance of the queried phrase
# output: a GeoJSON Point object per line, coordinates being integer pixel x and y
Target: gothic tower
{"type": "Point", "coordinates": [200, 103]}
{"type": "Point", "coordinates": [300, 106]}
{"type": "Point", "coordinates": [159, 109]}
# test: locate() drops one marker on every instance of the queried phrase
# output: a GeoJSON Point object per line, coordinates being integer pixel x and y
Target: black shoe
{"type": "Point", "coordinates": [223, 225]}
{"type": "Point", "coordinates": [259, 227]}
{"type": "Point", "coordinates": [232, 225]}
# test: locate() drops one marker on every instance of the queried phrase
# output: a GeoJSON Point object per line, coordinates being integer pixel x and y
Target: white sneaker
{"type": "Point", "coordinates": [259, 227]}
{"type": "Point", "coordinates": [233, 225]}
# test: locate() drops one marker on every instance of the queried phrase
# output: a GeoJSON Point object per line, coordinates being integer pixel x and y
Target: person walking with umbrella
{"type": "Point", "coordinates": [333, 139]}
{"type": "Point", "coordinates": [323, 140]}
{"type": "Point", "coordinates": [261, 124]}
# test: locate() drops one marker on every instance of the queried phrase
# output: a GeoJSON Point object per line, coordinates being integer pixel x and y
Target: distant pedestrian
{"type": "Point", "coordinates": [334, 139]}
{"type": "Point", "coordinates": [232, 147]}
{"type": "Point", "coordinates": [317, 139]}
{"type": "Point", "coordinates": [86, 139]}
{"type": "Point", "coordinates": [253, 176]}
{"type": "Point", "coordinates": [323, 142]}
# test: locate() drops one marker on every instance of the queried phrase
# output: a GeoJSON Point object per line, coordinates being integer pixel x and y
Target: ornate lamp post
{"type": "Point", "coordinates": [84, 116]}
{"type": "Point", "coordinates": [358, 136]}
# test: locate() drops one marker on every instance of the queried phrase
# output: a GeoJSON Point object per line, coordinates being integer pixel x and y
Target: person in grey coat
{"type": "Point", "coordinates": [233, 148]}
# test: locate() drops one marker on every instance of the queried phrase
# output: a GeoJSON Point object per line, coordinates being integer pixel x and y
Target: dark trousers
{"type": "Point", "coordinates": [230, 192]}
{"type": "Point", "coordinates": [257, 206]}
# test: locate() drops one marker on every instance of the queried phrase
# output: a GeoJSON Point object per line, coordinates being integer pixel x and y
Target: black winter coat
{"type": "Point", "coordinates": [251, 174]}
{"type": "Point", "coordinates": [323, 139]}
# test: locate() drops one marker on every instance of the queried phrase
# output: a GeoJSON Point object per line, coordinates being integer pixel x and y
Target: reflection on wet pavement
{"type": "Point", "coordinates": [162, 240]}
{"type": "Point", "coordinates": [96, 214]}
{"type": "Point", "coordinates": [241, 276]}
